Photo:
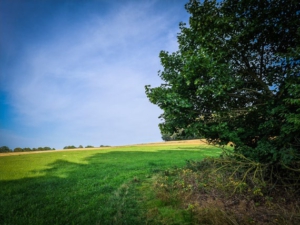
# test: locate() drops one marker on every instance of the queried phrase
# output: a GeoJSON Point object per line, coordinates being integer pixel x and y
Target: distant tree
{"type": "Point", "coordinates": [89, 146]}
{"type": "Point", "coordinates": [43, 148]}
{"type": "Point", "coordinates": [27, 149]}
{"type": "Point", "coordinates": [80, 146]}
{"type": "Point", "coordinates": [18, 149]}
{"type": "Point", "coordinates": [69, 147]}
{"type": "Point", "coordinates": [4, 149]}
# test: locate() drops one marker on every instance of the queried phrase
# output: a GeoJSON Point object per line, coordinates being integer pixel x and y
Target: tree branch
{"type": "Point", "coordinates": [256, 78]}
{"type": "Point", "coordinates": [250, 90]}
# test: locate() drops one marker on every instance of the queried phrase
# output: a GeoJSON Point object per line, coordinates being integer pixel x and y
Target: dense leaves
{"type": "Point", "coordinates": [18, 149]}
{"type": "Point", "coordinates": [236, 77]}
{"type": "Point", "coordinates": [4, 149]}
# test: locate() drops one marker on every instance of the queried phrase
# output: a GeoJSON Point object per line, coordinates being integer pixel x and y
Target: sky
{"type": "Point", "coordinates": [73, 72]}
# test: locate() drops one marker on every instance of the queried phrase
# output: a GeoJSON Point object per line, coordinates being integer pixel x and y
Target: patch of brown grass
{"type": "Point", "coordinates": [227, 191]}
{"type": "Point", "coordinates": [183, 142]}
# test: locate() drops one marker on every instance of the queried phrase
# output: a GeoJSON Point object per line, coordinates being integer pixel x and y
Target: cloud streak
{"type": "Point", "coordinates": [85, 84]}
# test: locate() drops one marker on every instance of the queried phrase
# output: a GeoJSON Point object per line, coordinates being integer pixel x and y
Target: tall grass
{"type": "Point", "coordinates": [86, 187]}
{"type": "Point", "coordinates": [226, 191]}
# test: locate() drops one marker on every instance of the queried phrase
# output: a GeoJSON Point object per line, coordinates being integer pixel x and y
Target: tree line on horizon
{"type": "Point", "coordinates": [80, 146]}
{"type": "Point", "coordinates": [18, 149]}
{"type": "Point", "coordinates": [4, 149]}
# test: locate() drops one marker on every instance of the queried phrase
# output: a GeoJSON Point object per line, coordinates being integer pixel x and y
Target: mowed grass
{"type": "Point", "coordinates": [105, 186]}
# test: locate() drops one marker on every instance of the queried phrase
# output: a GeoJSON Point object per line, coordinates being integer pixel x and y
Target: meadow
{"type": "Point", "coordinates": [89, 186]}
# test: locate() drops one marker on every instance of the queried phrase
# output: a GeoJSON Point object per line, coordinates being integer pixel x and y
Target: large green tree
{"type": "Point", "coordinates": [235, 77]}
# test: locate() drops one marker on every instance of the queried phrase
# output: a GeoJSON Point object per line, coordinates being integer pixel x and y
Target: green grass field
{"type": "Point", "coordinates": [105, 186]}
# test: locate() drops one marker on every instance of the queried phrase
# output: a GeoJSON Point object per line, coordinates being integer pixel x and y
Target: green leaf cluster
{"type": "Point", "coordinates": [236, 77]}
{"type": "Point", "coordinates": [5, 149]}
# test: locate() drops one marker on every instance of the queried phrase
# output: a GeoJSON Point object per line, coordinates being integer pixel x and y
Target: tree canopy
{"type": "Point", "coordinates": [4, 149]}
{"type": "Point", "coordinates": [236, 77]}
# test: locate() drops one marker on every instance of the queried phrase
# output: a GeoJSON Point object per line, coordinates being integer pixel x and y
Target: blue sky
{"type": "Point", "coordinates": [73, 72]}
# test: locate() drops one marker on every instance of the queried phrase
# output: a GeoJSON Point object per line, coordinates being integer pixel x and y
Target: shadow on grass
{"type": "Point", "coordinates": [102, 191]}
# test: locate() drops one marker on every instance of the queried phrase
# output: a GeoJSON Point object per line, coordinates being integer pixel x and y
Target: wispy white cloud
{"type": "Point", "coordinates": [87, 82]}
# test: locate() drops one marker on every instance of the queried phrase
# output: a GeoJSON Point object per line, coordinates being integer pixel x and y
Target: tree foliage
{"type": "Point", "coordinates": [18, 149]}
{"type": "Point", "coordinates": [70, 147]}
{"type": "Point", "coordinates": [89, 146]}
{"type": "Point", "coordinates": [235, 77]}
{"type": "Point", "coordinates": [5, 149]}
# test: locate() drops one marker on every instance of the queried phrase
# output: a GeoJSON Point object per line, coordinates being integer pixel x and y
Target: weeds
{"type": "Point", "coordinates": [232, 190]}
